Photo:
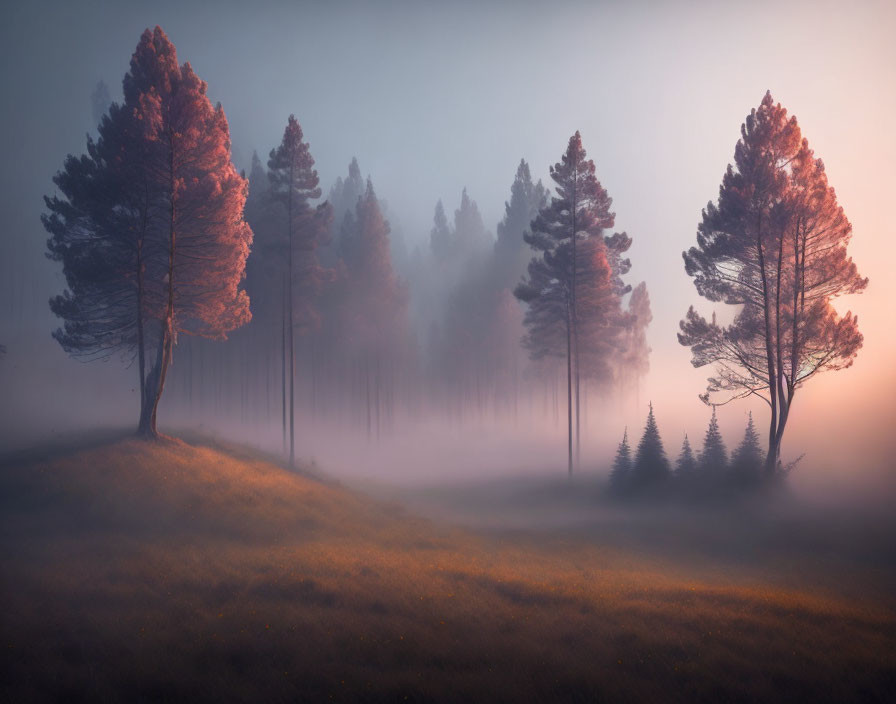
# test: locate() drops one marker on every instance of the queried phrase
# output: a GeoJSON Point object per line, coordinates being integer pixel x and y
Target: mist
{"type": "Point", "coordinates": [407, 370]}
{"type": "Point", "coordinates": [425, 122]}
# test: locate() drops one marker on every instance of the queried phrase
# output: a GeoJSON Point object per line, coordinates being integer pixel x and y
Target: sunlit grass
{"type": "Point", "coordinates": [138, 571]}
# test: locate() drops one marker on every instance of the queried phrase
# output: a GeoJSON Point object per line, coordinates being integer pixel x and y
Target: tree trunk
{"type": "Point", "coordinates": [283, 365]}
{"type": "Point", "coordinates": [291, 330]}
{"type": "Point", "coordinates": [166, 342]}
{"type": "Point", "coordinates": [575, 312]}
{"type": "Point", "coordinates": [771, 459]}
{"type": "Point", "coordinates": [569, 387]}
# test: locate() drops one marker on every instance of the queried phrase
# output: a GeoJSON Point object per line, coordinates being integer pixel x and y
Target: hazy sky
{"type": "Point", "coordinates": [432, 97]}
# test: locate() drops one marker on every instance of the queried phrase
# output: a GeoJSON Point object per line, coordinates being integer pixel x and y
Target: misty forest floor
{"type": "Point", "coordinates": [172, 572]}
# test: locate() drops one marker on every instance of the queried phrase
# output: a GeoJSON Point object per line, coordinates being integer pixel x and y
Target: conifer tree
{"type": "Point", "coordinates": [301, 228]}
{"type": "Point", "coordinates": [620, 474]}
{"type": "Point", "coordinates": [746, 462]}
{"type": "Point", "coordinates": [634, 362]}
{"type": "Point", "coordinates": [345, 193]}
{"type": "Point", "coordinates": [577, 214]}
{"type": "Point", "coordinates": [375, 312]}
{"type": "Point", "coordinates": [264, 268]}
{"type": "Point", "coordinates": [343, 198]}
{"type": "Point", "coordinates": [685, 465]}
{"type": "Point", "coordinates": [441, 238]}
{"type": "Point", "coordinates": [162, 212]}
{"type": "Point", "coordinates": [775, 245]}
{"type": "Point", "coordinates": [651, 465]}
{"type": "Point", "coordinates": [469, 232]}
{"type": "Point", "coordinates": [714, 457]}
{"type": "Point", "coordinates": [511, 253]}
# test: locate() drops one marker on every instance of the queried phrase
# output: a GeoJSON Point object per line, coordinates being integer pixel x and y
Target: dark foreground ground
{"type": "Point", "coordinates": [138, 572]}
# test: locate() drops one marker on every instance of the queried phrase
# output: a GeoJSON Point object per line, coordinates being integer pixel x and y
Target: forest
{"type": "Point", "coordinates": [284, 424]}
{"type": "Point", "coordinates": [163, 243]}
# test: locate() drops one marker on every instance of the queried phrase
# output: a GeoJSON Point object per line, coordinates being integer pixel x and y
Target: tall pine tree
{"type": "Point", "coordinates": [169, 198]}
{"type": "Point", "coordinates": [577, 214]}
{"type": "Point", "coordinates": [773, 244]}
{"type": "Point", "coordinates": [302, 227]}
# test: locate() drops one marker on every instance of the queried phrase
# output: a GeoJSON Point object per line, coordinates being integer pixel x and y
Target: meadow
{"type": "Point", "coordinates": [137, 571]}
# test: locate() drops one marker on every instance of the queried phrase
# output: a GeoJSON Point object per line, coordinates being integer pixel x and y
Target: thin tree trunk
{"type": "Point", "coordinates": [783, 409]}
{"type": "Point", "coordinates": [291, 331]}
{"type": "Point", "coordinates": [367, 392]}
{"type": "Point", "coordinates": [575, 312]}
{"type": "Point", "coordinates": [283, 364]}
{"type": "Point", "coordinates": [772, 456]}
{"type": "Point", "coordinates": [569, 387]}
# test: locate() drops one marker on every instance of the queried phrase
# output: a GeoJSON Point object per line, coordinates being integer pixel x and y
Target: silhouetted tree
{"type": "Point", "coordinates": [746, 462]}
{"type": "Point", "coordinates": [301, 228]}
{"type": "Point", "coordinates": [620, 474]}
{"type": "Point", "coordinates": [774, 244]}
{"type": "Point", "coordinates": [714, 457]}
{"type": "Point", "coordinates": [635, 358]}
{"type": "Point", "coordinates": [345, 193]}
{"type": "Point", "coordinates": [685, 465]}
{"type": "Point", "coordinates": [650, 466]}
{"type": "Point", "coordinates": [343, 198]}
{"type": "Point", "coordinates": [511, 253]}
{"type": "Point", "coordinates": [374, 307]}
{"type": "Point", "coordinates": [469, 232]}
{"type": "Point", "coordinates": [441, 237]}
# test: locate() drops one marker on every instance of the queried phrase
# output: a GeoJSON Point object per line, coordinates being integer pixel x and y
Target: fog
{"type": "Point", "coordinates": [434, 98]}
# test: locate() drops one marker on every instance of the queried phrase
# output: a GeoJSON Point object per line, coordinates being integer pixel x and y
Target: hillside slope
{"type": "Point", "coordinates": [169, 572]}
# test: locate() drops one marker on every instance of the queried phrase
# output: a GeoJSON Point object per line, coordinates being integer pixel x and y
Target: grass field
{"type": "Point", "coordinates": [176, 572]}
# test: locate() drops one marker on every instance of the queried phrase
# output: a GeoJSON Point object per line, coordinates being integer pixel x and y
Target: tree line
{"type": "Point", "coordinates": [707, 473]}
{"type": "Point", "coordinates": [162, 242]}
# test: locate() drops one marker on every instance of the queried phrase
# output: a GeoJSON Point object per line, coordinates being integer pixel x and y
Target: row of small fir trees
{"type": "Point", "coordinates": [710, 470]}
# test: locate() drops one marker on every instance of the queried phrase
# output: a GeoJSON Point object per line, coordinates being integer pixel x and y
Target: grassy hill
{"type": "Point", "coordinates": [170, 572]}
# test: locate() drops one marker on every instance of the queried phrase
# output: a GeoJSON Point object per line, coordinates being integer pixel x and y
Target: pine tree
{"type": "Point", "coordinates": [511, 253]}
{"type": "Point", "coordinates": [714, 457]}
{"type": "Point", "coordinates": [577, 214]}
{"type": "Point", "coordinates": [302, 228]}
{"type": "Point", "coordinates": [469, 233]}
{"type": "Point", "coordinates": [634, 362]}
{"type": "Point", "coordinates": [375, 311]}
{"type": "Point", "coordinates": [441, 238]}
{"type": "Point", "coordinates": [685, 465]}
{"type": "Point", "coordinates": [169, 201]}
{"type": "Point", "coordinates": [746, 462]}
{"type": "Point", "coordinates": [774, 244]}
{"type": "Point", "coordinates": [620, 474]}
{"type": "Point", "coordinates": [651, 465]}
{"type": "Point", "coordinates": [345, 193]}
{"type": "Point", "coordinates": [343, 198]}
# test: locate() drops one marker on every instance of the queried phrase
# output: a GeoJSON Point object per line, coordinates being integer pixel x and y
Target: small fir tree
{"type": "Point", "coordinates": [651, 465]}
{"type": "Point", "coordinates": [747, 460]}
{"type": "Point", "coordinates": [714, 458]}
{"type": "Point", "coordinates": [685, 465]}
{"type": "Point", "coordinates": [622, 465]}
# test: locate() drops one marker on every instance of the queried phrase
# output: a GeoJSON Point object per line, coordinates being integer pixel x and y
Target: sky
{"type": "Point", "coordinates": [434, 97]}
